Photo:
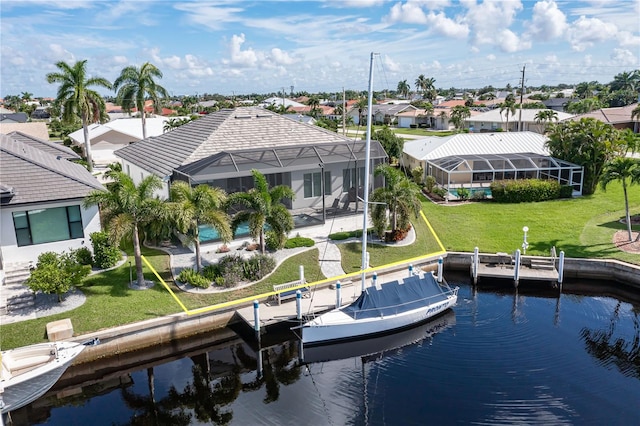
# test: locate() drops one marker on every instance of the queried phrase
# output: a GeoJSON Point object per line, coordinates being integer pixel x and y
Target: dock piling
{"type": "Point", "coordinates": [338, 295]}
{"type": "Point", "coordinates": [474, 266]}
{"type": "Point", "coordinates": [516, 269]}
{"type": "Point", "coordinates": [256, 317]}
{"type": "Point", "coordinates": [410, 271]}
{"type": "Point", "coordinates": [561, 269]}
{"type": "Point", "coordinates": [299, 305]}
{"type": "Point", "coordinates": [440, 267]}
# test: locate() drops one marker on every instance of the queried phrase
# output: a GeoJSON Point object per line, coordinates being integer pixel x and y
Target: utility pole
{"type": "Point", "coordinates": [344, 113]}
{"type": "Point", "coordinates": [283, 95]}
{"type": "Point", "coordinates": [521, 96]}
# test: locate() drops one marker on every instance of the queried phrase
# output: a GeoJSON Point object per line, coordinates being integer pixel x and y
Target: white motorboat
{"type": "Point", "coordinates": [28, 372]}
{"type": "Point", "coordinates": [392, 306]}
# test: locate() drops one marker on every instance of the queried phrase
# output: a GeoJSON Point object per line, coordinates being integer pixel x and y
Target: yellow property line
{"type": "Point", "coordinates": [313, 284]}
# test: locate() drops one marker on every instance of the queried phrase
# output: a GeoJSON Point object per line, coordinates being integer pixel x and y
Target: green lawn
{"type": "Point", "coordinates": [582, 227]}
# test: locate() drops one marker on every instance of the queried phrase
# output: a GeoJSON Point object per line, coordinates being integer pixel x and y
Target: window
{"type": "Point", "coordinates": [352, 178]}
{"type": "Point", "coordinates": [48, 225]}
{"type": "Point", "coordinates": [313, 184]}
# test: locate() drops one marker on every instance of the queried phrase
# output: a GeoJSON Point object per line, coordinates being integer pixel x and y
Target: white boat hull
{"type": "Point", "coordinates": [335, 326]}
{"type": "Point", "coordinates": [29, 372]}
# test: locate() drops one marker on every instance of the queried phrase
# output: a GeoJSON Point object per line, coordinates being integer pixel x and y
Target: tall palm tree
{"type": "Point", "coordinates": [262, 205]}
{"type": "Point", "coordinates": [135, 84]}
{"type": "Point", "coordinates": [426, 86]}
{"type": "Point", "coordinates": [403, 88]}
{"type": "Point", "coordinates": [78, 100]}
{"type": "Point", "coordinates": [627, 171]}
{"type": "Point", "coordinates": [26, 96]}
{"type": "Point", "coordinates": [509, 107]}
{"type": "Point", "coordinates": [395, 203]}
{"type": "Point", "coordinates": [626, 80]}
{"type": "Point", "coordinates": [127, 208]}
{"type": "Point", "coordinates": [201, 205]}
{"type": "Point", "coordinates": [362, 105]}
{"type": "Point", "coordinates": [635, 115]}
{"type": "Point", "coordinates": [314, 103]}
{"type": "Point", "coordinates": [545, 116]}
{"type": "Point", "coordinates": [458, 115]}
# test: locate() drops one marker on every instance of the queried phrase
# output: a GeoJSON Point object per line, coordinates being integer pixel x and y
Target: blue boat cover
{"type": "Point", "coordinates": [394, 297]}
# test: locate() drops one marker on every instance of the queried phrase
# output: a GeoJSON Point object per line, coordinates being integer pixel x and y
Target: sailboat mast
{"type": "Point", "coordinates": [367, 159]}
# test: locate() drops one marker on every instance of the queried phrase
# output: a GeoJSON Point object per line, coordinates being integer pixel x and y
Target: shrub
{"type": "Point", "coordinates": [57, 273]}
{"type": "Point", "coordinates": [299, 242]}
{"type": "Point", "coordinates": [522, 191]}
{"type": "Point", "coordinates": [231, 269]}
{"type": "Point", "coordinates": [84, 256]}
{"type": "Point", "coordinates": [478, 195]}
{"type": "Point", "coordinates": [417, 174]}
{"type": "Point", "coordinates": [211, 272]}
{"type": "Point", "coordinates": [463, 193]}
{"type": "Point", "coordinates": [190, 276]}
{"type": "Point", "coordinates": [274, 240]}
{"type": "Point", "coordinates": [439, 191]}
{"type": "Point", "coordinates": [566, 191]}
{"type": "Point", "coordinates": [429, 183]}
{"type": "Point", "coordinates": [342, 235]}
{"type": "Point", "coordinates": [258, 266]}
{"type": "Point", "coordinates": [105, 254]}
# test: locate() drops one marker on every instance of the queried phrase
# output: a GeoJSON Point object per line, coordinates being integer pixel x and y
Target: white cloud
{"type": "Point", "coordinates": [584, 32]}
{"type": "Point", "coordinates": [624, 57]}
{"type": "Point", "coordinates": [490, 21]}
{"type": "Point", "coordinates": [491, 57]}
{"type": "Point", "coordinates": [509, 42]}
{"type": "Point", "coordinates": [440, 24]}
{"type": "Point", "coordinates": [625, 38]}
{"type": "Point", "coordinates": [355, 3]}
{"type": "Point", "coordinates": [120, 60]}
{"type": "Point", "coordinates": [281, 57]}
{"type": "Point", "coordinates": [409, 13]}
{"type": "Point", "coordinates": [548, 22]}
{"type": "Point", "coordinates": [239, 57]}
{"type": "Point", "coordinates": [59, 53]}
{"type": "Point", "coordinates": [390, 64]}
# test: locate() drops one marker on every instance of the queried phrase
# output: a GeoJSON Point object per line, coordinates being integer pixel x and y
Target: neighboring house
{"type": "Point", "coordinates": [618, 117]}
{"type": "Point", "coordinates": [380, 113]}
{"type": "Point", "coordinates": [278, 102]}
{"type": "Point", "coordinates": [307, 119]}
{"type": "Point", "coordinates": [474, 160]}
{"type": "Point", "coordinates": [14, 117]}
{"type": "Point", "coordinates": [221, 148]}
{"type": "Point", "coordinates": [416, 117]}
{"type": "Point", "coordinates": [41, 196]}
{"type": "Point", "coordinates": [37, 129]}
{"type": "Point", "coordinates": [55, 149]}
{"type": "Point", "coordinates": [494, 119]}
{"type": "Point", "coordinates": [112, 135]}
{"type": "Point", "coordinates": [40, 113]}
{"type": "Point", "coordinates": [556, 104]}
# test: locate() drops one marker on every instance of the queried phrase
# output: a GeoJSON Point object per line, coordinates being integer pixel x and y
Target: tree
{"type": "Point", "coordinates": [399, 200]}
{"type": "Point", "coordinates": [78, 100]}
{"type": "Point", "coordinates": [546, 116]}
{"type": "Point", "coordinates": [588, 142]}
{"type": "Point", "coordinates": [392, 143]}
{"type": "Point", "coordinates": [262, 206]}
{"type": "Point", "coordinates": [625, 169]}
{"type": "Point", "coordinates": [626, 81]}
{"type": "Point", "coordinates": [26, 96]}
{"type": "Point", "coordinates": [583, 106]}
{"type": "Point", "coordinates": [427, 87]}
{"type": "Point", "coordinates": [135, 84]}
{"type": "Point", "coordinates": [458, 115]}
{"type": "Point", "coordinates": [635, 115]}
{"type": "Point", "coordinates": [403, 88]}
{"type": "Point", "coordinates": [127, 208]}
{"type": "Point", "coordinates": [509, 108]}
{"type": "Point", "coordinates": [202, 205]}
{"type": "Point", "coordinates": [314, 103]}
{"type": "Point", "coordinates": [57, 273]}
{"type": "Point", "coordinates": [362, 105]}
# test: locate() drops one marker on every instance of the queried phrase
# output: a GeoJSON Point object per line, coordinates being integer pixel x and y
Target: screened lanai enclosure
{"type": "Point", "coordinates": [478, 171]}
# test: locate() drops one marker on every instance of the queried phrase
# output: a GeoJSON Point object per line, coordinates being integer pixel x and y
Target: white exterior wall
{"type": "Point", "coordinates": [297, 184]}
{"type": "Point", "coordinates": [137, 174]}
{"type": "Point", "coordinates": [405, 122]}
{"type": "Point", "coordinates": [11, 253]}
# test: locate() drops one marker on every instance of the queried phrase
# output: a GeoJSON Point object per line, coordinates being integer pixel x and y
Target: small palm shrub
{"type": "Point", "coordinates": [463, 193]}
{"type": "Point", "coordinates": [190, 276]}
{"type": "Point", "coordinates": [429, 183]}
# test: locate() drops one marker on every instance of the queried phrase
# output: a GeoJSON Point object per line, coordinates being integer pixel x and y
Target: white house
{"type": "Point", "coordinates": [41, 196]}
{"type": "Point", "coordinates": [494, 119]}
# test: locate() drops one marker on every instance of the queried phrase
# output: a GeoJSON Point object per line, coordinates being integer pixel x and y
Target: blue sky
{"type": "Point", "coordinates": [241, 47]}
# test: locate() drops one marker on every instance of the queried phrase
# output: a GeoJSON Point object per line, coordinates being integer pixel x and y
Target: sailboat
{"type": "Point", "coordinates": [26, 373]}
{"type": "Point", "coordinates": [391, 306]}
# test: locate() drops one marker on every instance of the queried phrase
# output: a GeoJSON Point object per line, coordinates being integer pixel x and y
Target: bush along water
{"type": "Point", "coordinates": [525, 190]}
{"type": "Point", "coordinates": [230, 271]}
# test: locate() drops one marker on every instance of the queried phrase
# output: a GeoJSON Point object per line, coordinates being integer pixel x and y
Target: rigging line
{"type": "Point", "coordinates": [324, 404]}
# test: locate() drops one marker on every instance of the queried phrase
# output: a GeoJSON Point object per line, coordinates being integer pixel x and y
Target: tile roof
{"type": "Point", "coordinates": [226, 130]}
{"type": "Point", "coordinates": [54, 149]}
{"type": "Point", "coordinates": [610, 115]}
{"type": "Point", "coordinates": [37, 129]}
{"type": "Point", "coordinates": [37, 176]}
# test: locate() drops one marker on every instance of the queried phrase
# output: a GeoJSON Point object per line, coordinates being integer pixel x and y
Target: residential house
{"type": "Point", "coordinates": [279, 102]}
{"type": "Point", "coordinates": [474, 160]}
{"type": "Point", "coordinates": [618, 117]}
{"type": "Point", "coordinates": [495, 119]}
{"type": "Point", "coordinates": [37, 129]}
{"type": "Point", "coordinates": [112, 135]}
{"type": "Point", "coordinates": [55, 149]}
{"type": "Point", "coordinates": [556, 104]}
{"type": "Point", "coordinates": [41, 195]}
{"type": "Point", "coordinates": [40, 113]}
{"type": "Point", "coordinates": [380, 113]}
{"type": "Point", "coordinates": [14, 117]}
{"type": "Point", "coordinates": [221, 149]}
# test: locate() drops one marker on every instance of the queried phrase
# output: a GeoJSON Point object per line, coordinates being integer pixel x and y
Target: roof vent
{"type": "Point", "coordinates": [6, 192]}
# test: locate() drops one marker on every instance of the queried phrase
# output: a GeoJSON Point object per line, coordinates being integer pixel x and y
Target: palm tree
{"type": "Point", "coordinates": [626, 81]}
{"type": "Point", "coordinates": [200, 205]}
{"type": "Point", "coordinates": [635, 115]}
{"type": "Point", "coordinates": [458, 115]}
{"type": "Point", "coordinates": [426, 86]}
{"type": "Point", "coordinates": [78, 100]}
{"type": "Point", "coordinates": [583, 106]}
{"type": "Point", "coordinates": [362, 105]}
{"type": "Point", "coordinates": [126, 208]}
{"type": "Point", "coordinates": [135, 84]}
{"type": "Point", "coordinates": [545, 116]}
{"type": "Point", "coordinates": [26, 96]}
{"type": "Point", "coordinates": [261, 205]}
{"type": "Point", "coordinates": [403, 88]}
{"type": "Point", "coordinates": [314, 103]}
{"type": "Point", "coordinates": [509, 105]}
{"type": "Point", "coordinates": [397, 202]}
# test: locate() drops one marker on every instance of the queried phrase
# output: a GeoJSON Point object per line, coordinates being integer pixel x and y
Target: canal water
{"type": "Point", "coordinates": [499, 357]}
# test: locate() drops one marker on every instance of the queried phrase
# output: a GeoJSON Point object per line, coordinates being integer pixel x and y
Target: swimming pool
{"type": "Point", "coordinates": [487, 192]}
{"type": "Point", "coordinates": [208, 234]}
